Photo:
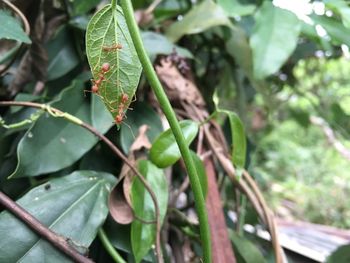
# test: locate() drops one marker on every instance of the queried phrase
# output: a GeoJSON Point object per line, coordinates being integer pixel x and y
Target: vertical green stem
{"type": "Point", "coordinates": [109, 247]}
{"type": "Point", "coordinates": [174, 125]}
{"type": "Point", "coordinates": [241, 219]}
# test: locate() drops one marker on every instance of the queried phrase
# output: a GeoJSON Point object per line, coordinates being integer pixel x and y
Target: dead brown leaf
{"type": "Point", "coordinates": [119, 208]}
{"type": "Point", "coordinates": [178, 87]}
{"type": "Point", "coordinates": [119, 202]}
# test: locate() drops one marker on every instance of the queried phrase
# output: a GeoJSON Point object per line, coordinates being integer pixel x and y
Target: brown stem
{"type": "Point", "coordinates": [56, 240]}
{"type": "Point", "coordinates": [115, 150]}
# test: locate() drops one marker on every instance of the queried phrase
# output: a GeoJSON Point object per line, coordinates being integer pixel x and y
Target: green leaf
{"type": "Point", "coordinates": [340, 7]}
{"type": "Point", "coordinates": [73, 206]}
{"type": "Point", "coordinates": [245, 250]}
{"type": "Point", "coordinates": [201, 17]}
{"type": "Point", "coordinates": [164, 151]}
{"type": "Point", "coordinates": [157, 44]}
{"type": "Point", "coordinates": [106, 30]}
{"type": "Point", "coordinates": [57, 143]}
{"type": "Point", "coordinates": [119, 235]}
{"type": "Point", "coordinates": [143, 235]}
{"type": "Point", "coordinates": [341, 255]}
{"type": "Point", "coordinates": [234, 8]}
{"type": "Point", "coordinates": [100, 117]}
{"type": "Point", "coordinates": [80, 7]}
{"type": "Point", "coordinates": [274, 38]}
{"type": "Point", "coordinates": [141, 114]}
{"type": "Point", "coordinates": [239, 147]}
{"type": "Point", "coordinates": [11, 28]}
{"type": "Point", "coordinates": [239, 142]}
{"type": "Point", "coordinates": [238, 47]}
{"type": "Point", "coordinates": [62, 55]}
{"type": "Point", "coordinates": [336, 30]}
{"type": "Point", "coordinates": [202, 175]}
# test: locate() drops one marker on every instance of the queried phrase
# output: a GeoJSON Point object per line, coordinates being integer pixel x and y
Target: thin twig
{"type": "Point", "coordinates": [26, 30]}
{"type": "Point", "coordinates": [56, 240]}
{"type": "Point", "coordinates": [58, 113]}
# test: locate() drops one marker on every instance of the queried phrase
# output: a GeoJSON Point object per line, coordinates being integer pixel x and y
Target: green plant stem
{"type": "Point", "coordinates": [109, 247]}
{"type": "Point", "coordinates": [114, 4]}
{"type": "Point", "coordinates": [174, 125]}
{"type": "Point", "coordinates": [241, 218]}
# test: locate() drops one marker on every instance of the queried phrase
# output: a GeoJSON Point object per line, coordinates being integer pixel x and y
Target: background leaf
{"type": "Point", "coordinates": [336, 30]}
{"type": "Point", "coordinates": [62, 55]}
{"type": "Point", "coordinates": [238, 47]}
{"type": "Point", "coordinates": [11, 28]}
{"type": "Point", "coordinates": [239, 141]}
{"type": "Point", "coordinates": [235, 8]}
{"type": "Point", "coordinates": [164, 151]}
{"type": "Point", "coordinates": [270, 43]}
{"type": "Point", "coordinates": [106, 29]}
{"type": "Point", "coordinates": [141, 114]}
{"type": "Point", "coordinates": [74, 206]}
{"type": "Point", "coordinates": [157, 44]}
{"type": "Point", "coordinates": [143, 235]}
{"type": "Point", "coordinates": [201, 17]}
{"type": "Point", "coordinates": [245, 251]}
{"type": "Point", "coordinates": [239, 147]}
{"type": "Point", "coordinates": [55, 142]}
{"type": "Point", "coordinates": [341, 255]}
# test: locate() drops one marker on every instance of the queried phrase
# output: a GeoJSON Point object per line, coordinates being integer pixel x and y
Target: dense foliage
{"type": "Point", "coordinates": [273, 75]}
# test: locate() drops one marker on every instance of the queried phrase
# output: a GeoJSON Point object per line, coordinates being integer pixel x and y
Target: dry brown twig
{"type": "Point", "coordinates": [58, 241]}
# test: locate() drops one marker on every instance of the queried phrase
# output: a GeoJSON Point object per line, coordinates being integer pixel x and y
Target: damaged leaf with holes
{"type": "Point", "coordinates": [108, 41]}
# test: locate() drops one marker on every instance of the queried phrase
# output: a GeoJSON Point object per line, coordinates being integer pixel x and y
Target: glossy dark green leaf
{"type": "Point", "coordinates": [141, 114]}
{"type": "Point", "coordinates": [201, 17]}
{"type": "Point", "coordinates": [119, 235]}
{"type": "Point", "coordinates": [143, 235]}
{"type": "Point", "coordinates": [341, 255]}
{"type": "Point", "coordinates": [57, 143]}
{"type": "Point", "coordinates": [235, 8]}
{"type": "Point", "coordinates": [73, 206]}
{"type": "Point", "coordinates": [270, 44]}
{"type": "Point", "coordinates": [62, 55]}
{"type": "Point", "coordinates": [202, 175]}
{"type": "Point", "coordinates": [11, 28]}
{"type": "Point", "coordinates": [157, 44]}
{"type": "Point", "coordinates": [245, 251]}
{"type": "Point", "coordinates": [164, 151]}
{"type": "Point", "coordinates": [108, 41]}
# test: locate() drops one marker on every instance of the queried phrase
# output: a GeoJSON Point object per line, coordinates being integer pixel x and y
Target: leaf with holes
{"type": "Point", "coordinates": [73, 206]}
{"type": "Point", "coordinates": [108, 41]}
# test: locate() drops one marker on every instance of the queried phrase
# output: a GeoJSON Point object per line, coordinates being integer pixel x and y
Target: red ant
{"type": "Point", "coordinates": [112, 48]}
{"type": "Point", "coordinates": [104, 69]}
{"type": "Point", "coordinates": [120, 116]}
